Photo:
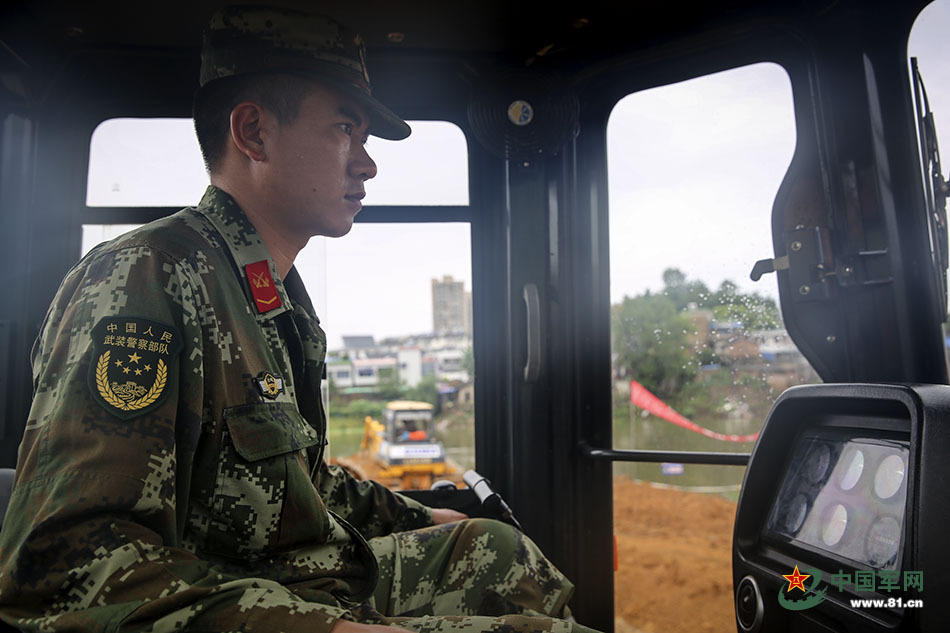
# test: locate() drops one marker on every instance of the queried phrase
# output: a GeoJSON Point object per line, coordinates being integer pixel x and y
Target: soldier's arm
{"type": "Point", "coordinates": [369, 506]}
{"type": "Point", "coordinates": [94, 535]}
{"type": "Point", "coordinates": [446, 515]}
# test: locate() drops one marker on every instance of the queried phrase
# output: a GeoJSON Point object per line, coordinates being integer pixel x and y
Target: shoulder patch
{"type": "Point", "coordinates": [134, 364]}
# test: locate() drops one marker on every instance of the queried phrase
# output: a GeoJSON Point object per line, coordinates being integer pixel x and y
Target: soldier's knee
{"type": "Point", "coordinates": [502, 536]}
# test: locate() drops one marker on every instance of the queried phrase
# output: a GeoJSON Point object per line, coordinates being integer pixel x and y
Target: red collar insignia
{"type": "Point", "coordinates": [263, 287]}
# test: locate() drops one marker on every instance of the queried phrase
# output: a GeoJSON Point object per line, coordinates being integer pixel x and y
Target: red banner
{"type": "Point", "coordinates": [641, 397]}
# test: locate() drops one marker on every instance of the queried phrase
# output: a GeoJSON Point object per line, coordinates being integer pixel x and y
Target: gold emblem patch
{"type": "Point", "coordinates": [132, 364]}
{"type": "Point", "coordinates": [269, 385]}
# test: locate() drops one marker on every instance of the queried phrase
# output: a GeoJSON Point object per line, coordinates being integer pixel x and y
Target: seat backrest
{"type": "Point", "coordinates": [6, 489]}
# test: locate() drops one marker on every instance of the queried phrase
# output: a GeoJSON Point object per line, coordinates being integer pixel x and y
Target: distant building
{"type": "Point", "coordinates": [359, 366]}
{"type": "Point", "coordinates": [410, 365]}
{"type": "Point", "coordinates": [467, 315]}
{"type": "Point", "coordinates": [701, 321]}
{"type": "Point", "coordinates": [370, 370]}
{"type": "Point", "coordinates": [358, 343]}
{"type": "Point", "coordinates": [466, 394]}
{"type": "Point", "coordinates": [341, 372]}
{"type": "Point", "coordinates": [430, 366]}
{"type": "Point", "coordinates": [449, 365]}
{"type": "Point", "coordinates": [451, 306]}
{"type": "Point", "coordinates": [785, 363]}
{"type": "Point", "coordinates": [776, 346]}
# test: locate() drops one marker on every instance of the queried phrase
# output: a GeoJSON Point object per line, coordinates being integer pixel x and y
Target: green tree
{"type": "Point", "coordinates": [426, 391]}
{"type": "Point", "coordinates": [754, 311]}
{"type": "Point", "coordinates": [360, 409]}
{"type": "Point", "coordinates": [334, 391]}
{"type": "Point", "coordinates": [673, 278]}
{"type": "Point", "coordinates": [389, 386]}
{"type": "Point", "coordinates": [650, 340]}
{"type": "Point", "coordinates": [683, 292]}
{"type": "Point", "coordinates": [727, 303]}
{"type": "Point", "coordinates": [468, 363]}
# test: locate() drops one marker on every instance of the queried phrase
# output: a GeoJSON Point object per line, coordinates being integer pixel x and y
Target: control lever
{"type": "Point", "coordinates": [491, 500]}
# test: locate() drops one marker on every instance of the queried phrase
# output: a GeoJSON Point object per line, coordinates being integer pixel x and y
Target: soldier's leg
{"type": "Point", "coordinates": [470, 623]}
{"type": "Point", "coordinates": [473, 567]}
{"type": "Point", "coordinates": [486, 624]}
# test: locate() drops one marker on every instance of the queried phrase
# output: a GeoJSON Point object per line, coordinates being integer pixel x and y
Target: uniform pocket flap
{"type": "Point", "coordinates": [268, 429]}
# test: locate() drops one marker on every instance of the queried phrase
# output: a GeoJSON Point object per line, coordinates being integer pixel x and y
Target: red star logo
{"type": "Point", "coordinates": [796, 579]}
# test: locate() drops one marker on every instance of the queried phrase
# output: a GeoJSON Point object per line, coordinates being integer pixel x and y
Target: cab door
{"type": "Point", "coordinates": [859, 236]}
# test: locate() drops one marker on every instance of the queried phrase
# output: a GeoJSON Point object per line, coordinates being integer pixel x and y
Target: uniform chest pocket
{"type": "Point", "coordinates": [261, 466]}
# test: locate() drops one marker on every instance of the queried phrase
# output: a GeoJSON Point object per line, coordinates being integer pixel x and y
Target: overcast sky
{"type": "Point", "coordinates": [693, 171]}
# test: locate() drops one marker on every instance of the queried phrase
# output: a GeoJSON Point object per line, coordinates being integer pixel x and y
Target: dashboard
{"type": "Point", "coordinates": [843, 517]}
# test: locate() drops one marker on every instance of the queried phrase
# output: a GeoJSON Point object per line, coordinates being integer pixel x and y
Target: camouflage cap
{"type": "Point", "coordinates": [254, 39]}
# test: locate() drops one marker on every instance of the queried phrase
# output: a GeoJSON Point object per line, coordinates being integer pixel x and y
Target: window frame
{"type": "Point", "coordinates": [709, 458]}
{"type": "Point", "coordinates": [622, 83]}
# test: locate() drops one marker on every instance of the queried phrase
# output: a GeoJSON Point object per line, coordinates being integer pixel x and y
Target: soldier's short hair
{"type": "Point", "coordinates": [281, 94]}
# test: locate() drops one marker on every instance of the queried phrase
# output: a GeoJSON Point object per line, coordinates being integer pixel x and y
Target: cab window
{"type": "Point", "coordinates": [699, 351]}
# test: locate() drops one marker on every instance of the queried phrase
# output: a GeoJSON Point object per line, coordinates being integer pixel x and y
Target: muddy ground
{"type": "Point", "coordinates": [674, 560]}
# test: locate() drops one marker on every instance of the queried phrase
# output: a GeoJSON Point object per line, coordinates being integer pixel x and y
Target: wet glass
{"type": "Point", "coordinates": [698, 350]}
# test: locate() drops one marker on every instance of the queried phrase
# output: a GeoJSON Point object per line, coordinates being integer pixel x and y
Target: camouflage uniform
{"type": "Point", "coordinates": [171, 474]}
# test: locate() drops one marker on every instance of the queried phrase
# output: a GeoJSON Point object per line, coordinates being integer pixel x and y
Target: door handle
{"type": "Point", "coordinates": [532, 302]}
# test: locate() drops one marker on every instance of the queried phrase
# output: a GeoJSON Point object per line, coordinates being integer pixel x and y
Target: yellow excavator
{"type": "Point", "coordinates": [402, 451]}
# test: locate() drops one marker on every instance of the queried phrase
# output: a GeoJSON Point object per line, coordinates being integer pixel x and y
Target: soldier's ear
{"type": "Point", "coordinates": [247, 120]}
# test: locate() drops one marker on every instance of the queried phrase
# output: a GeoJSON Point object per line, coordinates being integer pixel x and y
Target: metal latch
{"type": "Point", "coordinates": [764, 266]}
{"type": "Point", "coordinates": [809, 262]}
{"type": "Point", "coordinates": [812, 268]}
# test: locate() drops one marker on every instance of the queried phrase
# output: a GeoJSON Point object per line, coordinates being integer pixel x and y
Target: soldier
{"type": "Point", "coordinates": [171, 475]}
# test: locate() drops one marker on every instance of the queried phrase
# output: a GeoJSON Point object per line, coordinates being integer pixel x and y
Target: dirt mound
{"type": "Point", "coordinates": [675, 560]}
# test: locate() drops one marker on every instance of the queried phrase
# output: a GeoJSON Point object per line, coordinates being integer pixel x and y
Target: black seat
{"type": "Point", "coordinates": [6, 489]}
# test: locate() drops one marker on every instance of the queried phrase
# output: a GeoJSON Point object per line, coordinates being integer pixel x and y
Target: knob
{"type": "Point", "coordinates": [749, 607]}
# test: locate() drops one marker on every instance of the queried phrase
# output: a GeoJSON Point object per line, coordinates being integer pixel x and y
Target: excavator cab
{"type": "Point", "coordinates": [411, 422]}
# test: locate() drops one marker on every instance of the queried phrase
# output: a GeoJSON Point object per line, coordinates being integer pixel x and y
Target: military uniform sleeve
{"type": "Point", "coordinates": [93, 537]}
{"type": "Point", "coordinates": [369, 506]}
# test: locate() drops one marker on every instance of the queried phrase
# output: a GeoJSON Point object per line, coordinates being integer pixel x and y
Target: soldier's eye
{"type": "Point", "coordinates": [348, 128]}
